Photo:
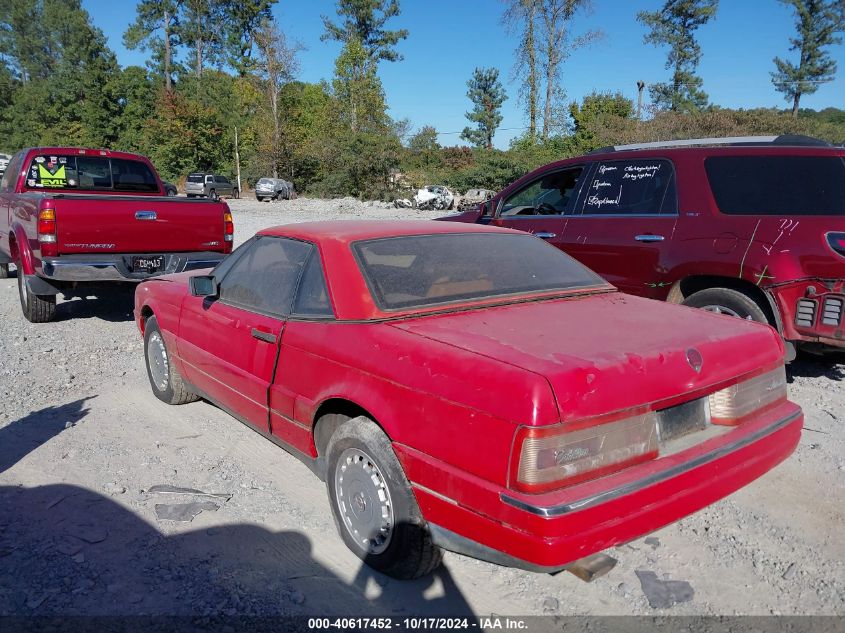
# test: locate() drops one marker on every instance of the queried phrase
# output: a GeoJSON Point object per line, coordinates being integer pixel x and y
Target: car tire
{"type": "Point", "coordinates": [165, 379]}
{"type": "Point", "coordinates": [236, 194]}
{"type": "Point", "coordinates": [259, 198]}
{"type": "Point", "coordinates": [727, 301]}
{"type": "Point", "coordinates": [36, 308]}
{"type": "Point", "coordinates": [370, 495]}
{"type": "Point", "coordinates": [171, 193]}
{"type": "Point", "coordinates": [4, 271]}
{"type": "Point", "coordinates": [212, 195]}
{"type": "Point", "coordinates": [190, 195]}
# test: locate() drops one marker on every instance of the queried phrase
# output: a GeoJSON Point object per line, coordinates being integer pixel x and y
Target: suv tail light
{"type": "Point", "coordinates": [732, 404]}
{"type": "Point", "coordinates": [837, 242]}
{"type": "Point", "coordinates": [553, 457]}
{"type": "Point", "coordinates": [228, 229]}
{"type": "Point", "coordinates": [47, 232]}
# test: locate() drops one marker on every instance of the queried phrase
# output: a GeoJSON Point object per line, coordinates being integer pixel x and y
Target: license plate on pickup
{"type": "Point", "coordinates": [153, 264]}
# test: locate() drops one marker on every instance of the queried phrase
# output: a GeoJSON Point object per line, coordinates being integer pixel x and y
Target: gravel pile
{"type": "Point", "coordinates": [83, 443]}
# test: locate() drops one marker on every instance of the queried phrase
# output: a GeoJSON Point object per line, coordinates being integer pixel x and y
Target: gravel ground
{"type": "Point", "coordinates": [83, 441]}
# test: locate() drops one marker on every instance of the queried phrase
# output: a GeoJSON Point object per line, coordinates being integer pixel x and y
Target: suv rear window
{"type": "Point", "coordinates": [423, 270]}
{"type": "Point", "coordinates": [632, 187]}
{"type": "Point", "coordinates": [196, 178]}
{"type": "Point", "coordinates": [90, 173]}
{"type": "Point", "coordinates": [778, 185]}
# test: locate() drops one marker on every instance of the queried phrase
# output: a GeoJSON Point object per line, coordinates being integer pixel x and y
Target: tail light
{"type": "Point", "coordinates": [733, 404]}
{"type": "Point", "coordinates": [47, 232]}
{"type": "Point", "coordinates": [837, 242]}
{"type": "Point", "coordinates": [553, 457]}
{"type": "Point", "coordinates": [228, 230]}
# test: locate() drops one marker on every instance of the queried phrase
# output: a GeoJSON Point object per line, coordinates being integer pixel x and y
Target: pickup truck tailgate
{"type": "Point", "coordinates": [137, 224]}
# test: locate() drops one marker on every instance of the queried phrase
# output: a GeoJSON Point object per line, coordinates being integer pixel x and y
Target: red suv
{"type": "Point", "coordinates": [752, 227]}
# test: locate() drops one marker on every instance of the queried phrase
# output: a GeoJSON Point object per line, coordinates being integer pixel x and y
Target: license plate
{"type": "Point", "coordinates": [682, 420]}
{"type": "Point", "coordinates": [148, 264]}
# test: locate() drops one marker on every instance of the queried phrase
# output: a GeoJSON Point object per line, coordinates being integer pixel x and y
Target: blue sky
{"type": "Point", "coordinates": [448, 39]}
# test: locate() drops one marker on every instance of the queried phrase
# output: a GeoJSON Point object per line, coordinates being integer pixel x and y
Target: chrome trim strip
{"type": "Point", "coordinates": [626, 489]}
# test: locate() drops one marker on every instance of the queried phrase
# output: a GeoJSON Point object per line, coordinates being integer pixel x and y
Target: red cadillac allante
{"type": "Point", "coordinates": [471, 388]}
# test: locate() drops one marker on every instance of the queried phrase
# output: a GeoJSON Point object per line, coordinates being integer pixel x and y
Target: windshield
{"type": "Point", "coordinates": [423, 270]}
{"type": "Point", "coordinates": [90, 173]}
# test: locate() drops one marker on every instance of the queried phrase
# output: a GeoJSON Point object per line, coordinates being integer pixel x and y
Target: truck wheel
{"type": "Point", "coordinates": [235, 193]}
{"type": "Point", "coordinates": [727, 301]}
{"type": "Point", "coordinates": [259, 198]}
{"type": "Point", "coordinates": [372, 503]}
{"type": "Point", "coordinates": [4, 271]}
{"type": "Point", "coordinates": [165, 380]}
{"type": "Point", "coordinates": [36, 308]}
{"type": "Point", "coordinates": [213, 195]}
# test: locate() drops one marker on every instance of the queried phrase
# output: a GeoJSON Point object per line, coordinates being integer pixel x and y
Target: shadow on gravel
{"type": "Point", "coordinates": [66, 550]}
{"type": "Point", "coordinates": [113, 304]}
{"type": "Point", "coordinates": [21, 437]}
{"type": "Point", "coordinates": [830, 366]}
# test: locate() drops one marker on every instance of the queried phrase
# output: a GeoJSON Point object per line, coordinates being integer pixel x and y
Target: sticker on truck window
{"type": "Point", "coordinates": [49, 172]}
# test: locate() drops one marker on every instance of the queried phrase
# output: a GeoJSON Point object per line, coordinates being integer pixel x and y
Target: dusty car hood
{"type": "Point", "coordinates": [608, 352]}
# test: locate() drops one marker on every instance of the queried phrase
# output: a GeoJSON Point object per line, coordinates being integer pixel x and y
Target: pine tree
{"type": "Point", "coordinates": [487, 95]}
{"type": "Point", "coordinates": [816, 23]}
{"type": "Point", "coordinates": [364, 20]}
{"type": "Point", "coordinates": [244, 18]}
{"type": "Point", "coordinates": [674, 26]}
{"type": "Point", "coordinates": [154, 16]}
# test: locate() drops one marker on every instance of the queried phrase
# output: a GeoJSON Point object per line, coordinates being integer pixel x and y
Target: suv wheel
{"type": "Point", "coordinates": [235, 193]}
{"type": "Point", "coordinates": [372, 503]}
{"type": "Point", "coordinates": [212, 195]}
{"type": "Point", "coordinates": [727, 301]}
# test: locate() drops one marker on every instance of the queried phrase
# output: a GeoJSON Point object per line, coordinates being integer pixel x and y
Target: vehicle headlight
{"type": "Point", "coordinates": [732, 404]}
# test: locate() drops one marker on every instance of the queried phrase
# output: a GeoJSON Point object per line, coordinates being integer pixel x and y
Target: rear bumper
{"type": "Point", "coordinates": [118, 267]}
{"type": "Point", "coordinates": [547, 532]}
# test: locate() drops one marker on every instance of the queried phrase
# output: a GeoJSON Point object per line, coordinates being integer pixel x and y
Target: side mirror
{"type": "Point", "coordinates": [203, 286]}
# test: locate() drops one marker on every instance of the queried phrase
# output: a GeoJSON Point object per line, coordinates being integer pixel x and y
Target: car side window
{"type": "Point", "coordinates": [312, 296]}
{"type": "Point", "coordinates": [265, 276]}
{"type": "Point", "coordinates": [553, 193]}
{"type": "Point", "coordinates": [632, 187]}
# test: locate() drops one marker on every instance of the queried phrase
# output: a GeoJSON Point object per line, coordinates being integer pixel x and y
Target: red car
{"type": "Point", "coordinates": [471, 388]}
{"type": "Point", "coordinates": [752, 227]}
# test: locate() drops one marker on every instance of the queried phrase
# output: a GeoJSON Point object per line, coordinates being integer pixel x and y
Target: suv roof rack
{"type": "Point", "coordinates": [784, 139]}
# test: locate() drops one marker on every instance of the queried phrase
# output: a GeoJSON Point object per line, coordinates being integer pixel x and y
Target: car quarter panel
{"type": "Point", "coordinates": [452, 404]}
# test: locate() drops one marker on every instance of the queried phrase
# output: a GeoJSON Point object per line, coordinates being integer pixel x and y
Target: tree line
{"type": "Point", "coordinates": [220, 92]}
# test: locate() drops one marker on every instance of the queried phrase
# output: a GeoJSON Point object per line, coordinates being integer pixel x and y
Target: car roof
{"type": "Point", "coordinates": [86, 151]}
{"type": "Point", "coordinates": [353, 230]}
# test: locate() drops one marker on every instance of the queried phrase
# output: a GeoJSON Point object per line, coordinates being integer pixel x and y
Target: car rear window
{"type": "Point", "coordinates": [196, 178]}
{"type": "Point", "coordinates": [778, 185]}
{"type": "Point", "coordinates": [90, 173]}
{"type": "Point", "coordinates": [423, 270]}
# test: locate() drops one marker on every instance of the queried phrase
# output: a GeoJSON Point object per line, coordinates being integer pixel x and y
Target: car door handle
{"type": "Point", "coordinates": [263, 336]}
{"type": "Point", "coordinates": [649, 238]}
{"type": "Point", "coordinates": [545, 235]}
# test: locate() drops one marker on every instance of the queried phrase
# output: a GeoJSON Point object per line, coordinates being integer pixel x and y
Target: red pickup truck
{"type": "Point", "coordinates": [751, 227]}
{"type": "Point", "coordinates": [72, 217]}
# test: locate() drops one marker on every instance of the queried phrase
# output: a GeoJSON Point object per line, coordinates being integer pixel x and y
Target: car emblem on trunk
{"type": "Point", "coordinates": [694, 359]}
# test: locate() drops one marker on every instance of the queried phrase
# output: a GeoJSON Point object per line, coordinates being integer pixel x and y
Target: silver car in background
{"type": "Point", "coordinates": [212, 186]}
{"type": "Point", "coordinates": [4, 162]}
{"type": "Point", "coordinates": [274, 189]}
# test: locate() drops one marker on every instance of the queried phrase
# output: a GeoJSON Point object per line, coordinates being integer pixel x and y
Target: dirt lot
{"type": "Point", "coordinates": [82, 441]}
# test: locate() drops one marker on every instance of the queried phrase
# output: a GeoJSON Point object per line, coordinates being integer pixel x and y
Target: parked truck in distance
{"type": "Point", "coordinates": [73, 218]}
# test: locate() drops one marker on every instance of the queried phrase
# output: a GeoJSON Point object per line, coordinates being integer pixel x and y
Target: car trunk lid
{"type": "Point", "coordinates": [609, 352]}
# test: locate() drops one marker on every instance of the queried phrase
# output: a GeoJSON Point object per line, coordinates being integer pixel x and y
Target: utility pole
{"type": "Point", "coordinates": [640, 88]}
{"type": "Point", "coordinates": [237, 162]}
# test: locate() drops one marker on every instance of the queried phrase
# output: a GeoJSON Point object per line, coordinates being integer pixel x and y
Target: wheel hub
{"type": "Point", "coordinates": [363, 499]}
{"type": "Point", "coordinates": [157, 361]}
{"type": "Point", "coordinates": [724, 310]}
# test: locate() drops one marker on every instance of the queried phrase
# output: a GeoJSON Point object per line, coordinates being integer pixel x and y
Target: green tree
{"type": "Point", "coordinates": [364, 21]}
{"type": "Point", "coordinates": [674, 26]}
{"type": "Point", "coordinates": [244, 19]}
{"type": "Point", "coordinates": [816, 23]}
{"type": "Point", "coordinates": [358, 90]}
{"type": "Point", "coordinates": [487, 95]}
{"type": "Point", "coordinates": [137, 97]}
{"type": "Point", "coordinates": [202, 28]}
{"type": "Point", "coordinates": [521, 17]}
{"type": "Point", "coordinates": [594, 111]}
{"type": "Point", "coordinates": [152, 17]}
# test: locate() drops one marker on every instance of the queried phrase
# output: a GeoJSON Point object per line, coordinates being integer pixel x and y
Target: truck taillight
{"type": "Point", "coordinates": [732, 404]}
{"type": "Point", "coordinates": [229, 227]}
{"type": "Point", "coordinates": [554, 457]}
{"type": "Point", "coordinates": [47, 232]}
{"type": "Point", "coordinates": [837, 242]}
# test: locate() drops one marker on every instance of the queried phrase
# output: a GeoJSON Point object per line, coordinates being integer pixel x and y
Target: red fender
{"type": "Point", "coordinates": [23, 258]}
